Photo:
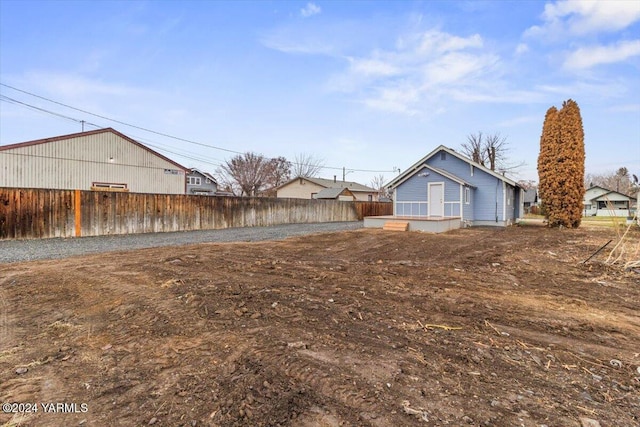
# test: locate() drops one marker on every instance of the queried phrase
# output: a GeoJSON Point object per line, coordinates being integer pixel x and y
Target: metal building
{"type": "Point", "coordinates": [103, 159]}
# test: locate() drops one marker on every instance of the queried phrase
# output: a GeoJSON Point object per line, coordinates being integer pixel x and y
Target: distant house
{"type": "Point", "coordinates": [531, 200]}
{"type": "Point", "coordinates": [201, 183]}
{"type": "Point", "coordinates": [342, 194]}
{"type": "Point", "coordinates": [309, 188]}
{"type": "Point", "coordinates": [445, 184]}
{"type": "Point", "coordinates": [600, 201]}
{"type": "Point", "coordinates": [101, 160]}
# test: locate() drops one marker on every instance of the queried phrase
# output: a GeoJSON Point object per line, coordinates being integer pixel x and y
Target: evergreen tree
{"type": "Point", "coordinates": [561, 165]}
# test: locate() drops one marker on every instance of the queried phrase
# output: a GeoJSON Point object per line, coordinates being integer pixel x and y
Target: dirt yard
{"type": "Point", "coordinates": [362, 328]}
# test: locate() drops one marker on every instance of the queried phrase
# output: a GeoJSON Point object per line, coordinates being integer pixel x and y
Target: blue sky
{"type": "Point", "coordinates": [363, 85]}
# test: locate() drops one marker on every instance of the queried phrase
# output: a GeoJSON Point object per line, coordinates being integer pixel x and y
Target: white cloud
{"type": "Point", "coordinates": [285, 41]}
{"type": "Point", "coordinates": [457, 67]}
{"type": "Point", "coordinates": [522, 48]}
{"type": "Point", "coordinates": [608, 88]}
{"type": "Point", "coordinates": [438, 42]}
{"type": "Point", "coordinates": [589, 16]}
{"type": "Point", "coordinates": [73, 86]}
{"type": "Point", "coordinates": [579, 17]}
{"type": "Point", "coordinates": [395, 99]}
{"type": "Point", "coordinates": [372, 67]}
{"type": "Point", "coordinates": [587, 57]}
{"type": "Point", "coordinates": [422, 69]}
{"type": "Point", "coordinates": [625, 108]}
{"type": "Point", "coordinates": [310, 9]}
{"type": "Point", "coordinates": [504, 96]}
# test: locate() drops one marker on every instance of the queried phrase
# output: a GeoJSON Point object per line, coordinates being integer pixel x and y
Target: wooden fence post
{"type": "Point", "coordinates": [78, 213]}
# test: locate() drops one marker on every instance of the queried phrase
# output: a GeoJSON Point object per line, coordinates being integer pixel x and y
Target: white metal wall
{"type": "Point", "coordinates": [76, 163]}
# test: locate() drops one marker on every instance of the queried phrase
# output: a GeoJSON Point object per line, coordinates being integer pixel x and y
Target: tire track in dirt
{"type": "Point", "coordinates": [4, 319]}
{"type": "Point", "coordinates": [4, 314]}
{"type": "Point", "coordinates": [342, 389]}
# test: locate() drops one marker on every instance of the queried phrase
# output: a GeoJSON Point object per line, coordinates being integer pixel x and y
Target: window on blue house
{"type": "Point", "coordinates": [467, 195]}
{"type": "Point", "coordinates": [443, 155]}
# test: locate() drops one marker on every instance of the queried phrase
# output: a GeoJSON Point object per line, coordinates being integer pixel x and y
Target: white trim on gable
{"type": "Point", "coordinates": [440, 172]}
{"type": "Point", "coordinates": [418, 165]}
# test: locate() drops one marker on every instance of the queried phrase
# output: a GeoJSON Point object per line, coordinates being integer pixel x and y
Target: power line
{"type": "Point", "coordinates": [43, 110]}
{"type": "Point", "coordinates": [149, 130]}
{"type": "Point", "coordinates": [121, 122]}
{"type": "Point", "coordinates": [83, 122]}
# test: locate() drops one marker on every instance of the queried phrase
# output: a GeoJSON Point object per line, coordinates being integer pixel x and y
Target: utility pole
{"type": "Point", "coordinates": [344, 174]}
{"type": "Point", "coordinates": [82, 121]}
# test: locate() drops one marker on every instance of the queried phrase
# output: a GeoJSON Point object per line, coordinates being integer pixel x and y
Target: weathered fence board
{"type": "Point", "coordinates": [39, 213]}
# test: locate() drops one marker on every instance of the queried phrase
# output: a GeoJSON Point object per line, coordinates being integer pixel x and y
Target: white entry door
{"type": "Point", "coordinates": [436, 199]}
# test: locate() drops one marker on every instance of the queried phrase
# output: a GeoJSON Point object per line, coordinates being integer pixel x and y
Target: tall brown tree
{"type": "Point", "coordinates": [548, 152]}
{"type": "Point", "coordinates": [561, 165]}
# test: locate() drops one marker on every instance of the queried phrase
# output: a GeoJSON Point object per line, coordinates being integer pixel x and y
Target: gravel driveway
{"type": "Point", "coordinates": [30, 250]}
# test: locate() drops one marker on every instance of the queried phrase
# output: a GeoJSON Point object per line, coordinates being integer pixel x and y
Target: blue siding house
{"type": "Point", "coordinates": [446, 184]}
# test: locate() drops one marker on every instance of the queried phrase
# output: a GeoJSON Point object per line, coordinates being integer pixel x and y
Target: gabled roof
{"type": "Point", "coordinates": [88, 133]}
{"type": "Point", "coordinates": [333, 193]}
{"type": "Point", "coordinates": [330, 183]}
{"type": "Point", "coordinates": [608, 192]}
{"type": "Point", "coordinates": [439, 171]}
{"type": "Point", "coordinates": [598, 186]}
{"type": "Point", "coordinates": [205, 174]}
{"type": "Point", "coordinates": [418, 166]}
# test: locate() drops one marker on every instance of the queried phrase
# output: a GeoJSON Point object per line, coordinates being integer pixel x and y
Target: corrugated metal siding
{"type": "Point", "coordinates": [78, 162]}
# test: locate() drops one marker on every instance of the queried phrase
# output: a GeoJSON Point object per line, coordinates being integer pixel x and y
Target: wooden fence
{"type": "Point", "coordinates": [40, 213]}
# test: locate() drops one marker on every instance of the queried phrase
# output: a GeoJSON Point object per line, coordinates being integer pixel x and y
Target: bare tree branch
{"type": "Point", "coordinates": [306, 165]}
{"type": "Point", "coordinates": [489, 151]}
{"type": "Point", "coordinates": [474, 148]}
{"type": "Point", "coordinates": [620, 181]}
{"type": "Point", "coordinates": [249, 173]}
{"type": "Point", "coordinates": [280, 171]}
{"type": "Point", "coordinates": [378, 182]}
{"type": "Point", "coordinates": [496, 147]}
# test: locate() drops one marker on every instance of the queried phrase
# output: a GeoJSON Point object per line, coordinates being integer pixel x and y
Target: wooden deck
{"type": "Point", "coordinates": [413, 223]}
